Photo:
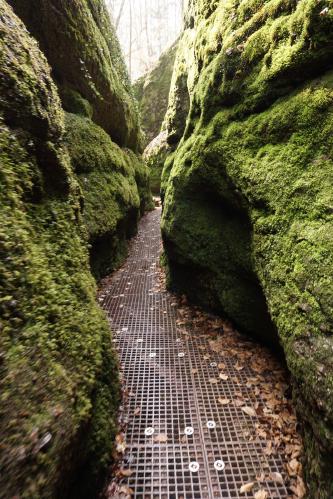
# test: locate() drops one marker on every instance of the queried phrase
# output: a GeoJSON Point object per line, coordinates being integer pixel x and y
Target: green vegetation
{"type": "Point", "coordinates": [152, 93]}
{"type": "Point", "coordinates": [85, 58]}
{"type": "Point", "coordinates": [115, 188]}
{"type": "Point", "coordinates": [248, 204]}
{"type": "Point", "coordinates": [59, 386]}
{"type": "Point", "coordinates": [96, 93]}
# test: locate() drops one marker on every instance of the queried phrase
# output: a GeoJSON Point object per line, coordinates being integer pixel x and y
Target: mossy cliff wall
{"type": "Point", "coordinates": [103, 134]}
{"type": "Point", "coordinates": [58, 381]}
{"type": "Point", "coordinates": [248, 198]}
{"type": "Point", "coordinates": [152, 93]}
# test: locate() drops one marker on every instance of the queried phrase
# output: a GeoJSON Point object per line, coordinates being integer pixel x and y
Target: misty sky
{"type": "Point", "coordinates": [155, 26]}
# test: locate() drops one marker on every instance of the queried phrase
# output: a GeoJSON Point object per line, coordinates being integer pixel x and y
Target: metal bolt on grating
{"type": "Point", "coordinates": [211, 425]}
{"type": "Point", "coordinates": [219, 465]}
{"type": "Point", "coordinates": [170, 400]}
{"type": "Point", "coordinates": [194, 467]}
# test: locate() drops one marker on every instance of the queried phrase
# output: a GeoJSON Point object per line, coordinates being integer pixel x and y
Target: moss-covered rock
{"type": "Point", "coordinates": [83, 50]}
{"type": "Point", "coordinates": [94, 86]}
{"type": "Point", "coordinates": [152, 93]}
{"type": "Point", "coordinates": [164, 122]}
{"type": "Point", "coordinates": [58, 383]}
{"type": "Point", "coordinates": [155, 155]}
{"type": "Point", "coordinates": [114, 183]}
{"type": "Point", "coordinates": [248, 206]}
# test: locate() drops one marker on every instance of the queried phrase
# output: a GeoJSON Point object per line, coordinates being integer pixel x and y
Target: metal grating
{"type": "Point", "coordinates": [165, 394]}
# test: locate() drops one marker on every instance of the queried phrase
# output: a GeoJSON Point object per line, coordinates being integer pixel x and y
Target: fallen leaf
{"type": "Point", "coordinates": [126, 472]}
{"type": "Point", "coordinates": [238, 402]}
{"type": "Point", "coordinates": [120, 443]}
{"type": "Point", "coordinates": [195, 371]}
{"type": "Point", "coordinates": [213, 380]}
{"type": "Point", "coordinates": [224, 401]}
{"type": "Point", "coordinates": [221, 365]}
{"type": "Point", "coordinates": [276, 477]}
{"type": "Point", "coordinates": [249, 411]}
{"type": "Point", "coordinates": [126, 490]}
{"type": "Point", "coordinates": [261, 494]}
{"type": "Point", "coordinates": [247, 487]}
{"type": "Point", "coordinates": [162, 438]}
{"type": "Point", "coordinates": [299, 489]}
{"type": "Point", "coordinates": [293, 467]}
{"type": "Point", "coordinates": [137, 411]}
{"type": "Point", "coordinates": [238, 367]}
{"type": "Point", "coordinates": [224, 377]}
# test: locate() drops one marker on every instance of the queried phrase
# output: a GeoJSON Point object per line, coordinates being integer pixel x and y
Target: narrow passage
{"type": "Point", "coordinates": [198, 424]}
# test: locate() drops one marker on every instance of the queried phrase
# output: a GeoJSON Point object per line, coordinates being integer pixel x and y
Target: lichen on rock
{"type": "Point", "coordinates": [247, 220]}
{"type": "Point", "coordinates": [59, 386]}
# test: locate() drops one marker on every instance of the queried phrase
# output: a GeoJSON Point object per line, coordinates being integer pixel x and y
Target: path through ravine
{"type": "Point", "coordinates": [205, 409]}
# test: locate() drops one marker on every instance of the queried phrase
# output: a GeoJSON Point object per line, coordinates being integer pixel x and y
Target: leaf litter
{"type": "Point", "coordinates": [266, 402]}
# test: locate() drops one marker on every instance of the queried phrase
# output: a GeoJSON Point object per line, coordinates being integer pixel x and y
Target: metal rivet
{"type": "Point", "coordinates": [139, 340]}
{"type": "Point", "coordinates": [194, 467]}
{"type": "Point", "coordinates": [178, 340]}
{"type": "Point", "coordinates": [152, 355]}
{"type": "Point", "coordinates": [181, 354]}
{"type": "Point", "coordinates": [213, 364]}
{"type": "Point", "coordinates": [189, 430]}
{"type": "Point", "coordinates": [211, 425]}
{"type": "Point", "coordinates": [219, 465]}
{"type": "Point", "coordinates": [149, 431]}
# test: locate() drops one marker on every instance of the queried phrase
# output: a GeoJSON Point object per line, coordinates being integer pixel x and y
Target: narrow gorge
{"type": "Point", "coordinates": [232, 127]}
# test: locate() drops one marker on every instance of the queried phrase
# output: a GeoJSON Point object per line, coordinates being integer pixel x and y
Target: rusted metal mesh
{"type": "Point", "coordinates": [169, 385]}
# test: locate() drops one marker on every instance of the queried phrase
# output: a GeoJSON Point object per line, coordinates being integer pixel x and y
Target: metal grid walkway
{"type": "Point", "coordinates": [164, 393]}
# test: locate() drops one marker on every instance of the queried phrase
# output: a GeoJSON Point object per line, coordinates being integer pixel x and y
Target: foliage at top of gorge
{"type": "Point", "coordinates": [247, 220]}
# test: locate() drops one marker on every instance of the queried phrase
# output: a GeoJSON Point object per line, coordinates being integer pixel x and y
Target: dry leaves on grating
{"type": "Point", "coordinates": [261, 494]}
{"type": "Point", "coordinates": [247, 487]}
{"type": "Point", "coordinates": [265, 396]}
{"type": "Point", "coordinates": [161, 438]}
{"type": "Point", "coordinates": [224, 401]}
{"type": "Point", "coordinates": [249, 411]}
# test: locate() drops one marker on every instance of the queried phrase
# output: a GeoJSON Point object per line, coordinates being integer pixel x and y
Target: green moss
{"type": "Point", "coordinates": [86, 58]}
{"type": "Point", "coordinates": [155, 155]}
{"type": "Point", "coordinates": [73, 102]}
{"type": "Point", "coordinates": [115, 189]}
{"type": "Point", "coordinates": [153, 88]}
{"type": "Point", "coordinates": [57, 363]}
{"type": "Point", "coordinates": [248, 193]}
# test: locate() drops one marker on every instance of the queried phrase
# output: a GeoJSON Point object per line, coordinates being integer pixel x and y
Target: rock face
{"type": "Point", "coordinates": [103, 135]}
{"type": "Point", "coordinates": [248, 199]}
{"type": "Point", "coordinates": [152, 93]}
{"type": "Point", "coordinates": [58, 383]}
